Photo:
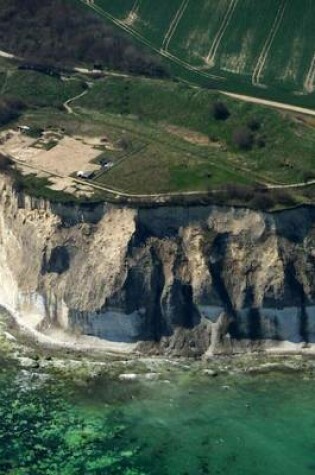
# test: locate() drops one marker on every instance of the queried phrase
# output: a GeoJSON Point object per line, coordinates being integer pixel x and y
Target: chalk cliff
{"type": "Point", "coordinates": [179, 280]}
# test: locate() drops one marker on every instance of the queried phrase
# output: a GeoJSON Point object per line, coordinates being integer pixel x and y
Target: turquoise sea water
{"type": "Point", "coordinates": [188, 425]}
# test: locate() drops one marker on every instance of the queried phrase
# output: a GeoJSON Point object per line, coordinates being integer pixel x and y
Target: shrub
{"type": "Point", "coordinates": [124, 143]}
{"type": "Point", "coordinates": [220, 111]}
{"type": "Point", "coordinates": [283, 197]}
{"type": "Point", "coordinates": [261, 142]}
{"type": "Point", "coordinates": [35, 132]}
{"type": "Point", "coordinates": [238, 192]}
{"type": "Point", "coordinates": [308, 175]}
{"type": "Point", "coordinates": [253, 124]}
{"type": "Point", "coordinates": [5, 163]}
{"type": "Point", "coordinates": [10, 109]}
{"type": "Point", "coordinates": [262, 201]}
{"type": "Point", "coordinates": [243, 138]}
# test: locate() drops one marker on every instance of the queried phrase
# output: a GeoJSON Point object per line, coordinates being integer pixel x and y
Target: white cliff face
{"type": "Point", "coordinates": [9, 291]}
{"type": "Point", "coordinates": [198, 280]}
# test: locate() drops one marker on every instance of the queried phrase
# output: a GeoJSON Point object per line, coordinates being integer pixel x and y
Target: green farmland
{"type": "Point", "coordinates": [264, 48]}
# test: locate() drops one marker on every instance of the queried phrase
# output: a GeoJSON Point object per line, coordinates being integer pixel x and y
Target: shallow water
{"type": "Point", "coordinates": [246, 425]}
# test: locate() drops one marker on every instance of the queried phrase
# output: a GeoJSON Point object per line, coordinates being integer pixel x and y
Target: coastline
{"type": "Point", "coordinates": [94, 357]}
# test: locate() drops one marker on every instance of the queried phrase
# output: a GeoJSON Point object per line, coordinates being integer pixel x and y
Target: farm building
{"type": "Point", "coordinates": [86, 175]}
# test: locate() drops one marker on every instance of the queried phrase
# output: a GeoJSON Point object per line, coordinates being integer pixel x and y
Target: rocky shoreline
{"type": "Point", "coordinates": [33, 355]}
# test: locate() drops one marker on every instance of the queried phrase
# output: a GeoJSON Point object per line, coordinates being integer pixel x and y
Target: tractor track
{"type": "Point", "coordinates": [174, 24]}
{"type": "Point", "coordinates": [257, 73]}
{"type": "Point", "coordinates": [310, 78]}
{"type": "Point", "coordinates": [223, 27]}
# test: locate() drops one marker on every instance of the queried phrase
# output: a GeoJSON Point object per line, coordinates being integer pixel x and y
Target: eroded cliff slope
{"type": "Point", "coordinates": [193, 280]}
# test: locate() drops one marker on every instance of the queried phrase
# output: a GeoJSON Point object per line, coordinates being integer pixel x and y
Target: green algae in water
{"type": "Point", "coordinates": [41, 432]}
{"type": "Point", "coordinates": [244, 425]}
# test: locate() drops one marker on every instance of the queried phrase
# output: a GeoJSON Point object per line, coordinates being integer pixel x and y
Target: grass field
{"type": "Point", "coordinates": [149, 107]}
{"type": "Point", "coordinates": [259, 47]}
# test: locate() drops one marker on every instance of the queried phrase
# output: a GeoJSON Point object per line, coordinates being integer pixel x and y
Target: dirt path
{"type": "Point", "coordinates": [4, 54]}
{"type": "Point", "coordinates": [256, 77]}
{"type": "Point", "coordinates": [292, 186]}
{"type": "Point", "coordinates": [66, 104]}
{"type": "Point", "coordinates": [174, 24]}
{"type": "Point", "coordinates": [310, 78]}
{"type": "Point", "coordinates": [218, 38]}
{"type": "Point", "coordinates": [92, 72]}
{"type": "Point", "coordinates": [274, 104]}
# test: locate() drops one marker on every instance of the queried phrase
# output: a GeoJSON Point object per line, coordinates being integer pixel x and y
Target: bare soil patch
{"type": "Point", "coordinates": [190, 136]}
{"type": "Point", "coordinates": [68, 156]}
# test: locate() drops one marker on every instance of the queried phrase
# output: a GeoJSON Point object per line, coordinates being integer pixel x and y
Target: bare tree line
{"type": "Point", "coordinates": [61, 32]}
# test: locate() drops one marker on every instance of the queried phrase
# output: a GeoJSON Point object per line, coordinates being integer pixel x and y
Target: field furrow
{"type": "Point", "coordinates": [218, 38]}
{"type": "Point", "coordinates": [135, 7]}
{"type": "Point", "coordinates": [256, 77]}
{"type": "Point", "coordinates": [174, 24]}
{"type": "Point", "coordinates": [310, 78]}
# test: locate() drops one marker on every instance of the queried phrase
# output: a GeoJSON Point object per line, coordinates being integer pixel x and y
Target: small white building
{"type": "Point", "coordinates": [85, 175]}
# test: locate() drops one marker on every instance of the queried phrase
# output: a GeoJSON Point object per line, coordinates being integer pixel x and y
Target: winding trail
{"type": "Point", "coordinates": [218, 38]}
{"type": "Point", "coordinates": [257, 73]}
{"type": "Point", "coordinates": [174, 24]}
{"type": "Point", "coordinates": [310, 78]}
{"type": "Point", "coordinates": [66, 104]}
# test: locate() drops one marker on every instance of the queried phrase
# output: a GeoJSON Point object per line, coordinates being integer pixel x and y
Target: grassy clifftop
{"type": "Point", "coordinates": [245, 144]}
